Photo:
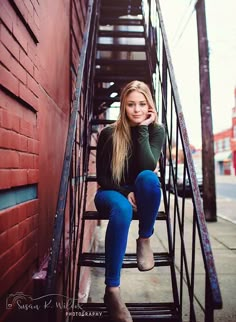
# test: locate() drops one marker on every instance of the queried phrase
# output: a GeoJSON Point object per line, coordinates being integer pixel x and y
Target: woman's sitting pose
{"type": "Point", "coordinates": [127, 155]}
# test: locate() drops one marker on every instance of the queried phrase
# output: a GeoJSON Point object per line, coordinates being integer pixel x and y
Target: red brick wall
{"type": "Point", "coordinates": [223, 134]}
{"type": "Point", "coordinates": [19, 143]}
{"type": "Point", "coordinates": [39, 56]}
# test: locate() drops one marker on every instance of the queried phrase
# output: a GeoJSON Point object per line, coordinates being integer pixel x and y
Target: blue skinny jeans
{"type": "Point", "coordinates": [119, 211]}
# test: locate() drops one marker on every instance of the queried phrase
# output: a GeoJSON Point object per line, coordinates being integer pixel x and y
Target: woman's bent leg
{"type": "Point", "coordinates": [148, 197]}
{"type": "Point", "coordinates": [119, 211]}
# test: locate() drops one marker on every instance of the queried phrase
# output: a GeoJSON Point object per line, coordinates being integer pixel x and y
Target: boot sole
{"type": "Point", "coordinates": [146, 270]}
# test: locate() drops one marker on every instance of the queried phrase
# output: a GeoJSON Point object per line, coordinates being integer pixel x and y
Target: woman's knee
{"type": "Point", "coordinates": [122, 214]}
{"type": "Point", "coordinates": [147, 177]}
{"type": "Point", "coordinates": [110, 201]}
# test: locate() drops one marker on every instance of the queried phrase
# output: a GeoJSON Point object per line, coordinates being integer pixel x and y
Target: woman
{"type": "Point", "coordinates": [127, 155]}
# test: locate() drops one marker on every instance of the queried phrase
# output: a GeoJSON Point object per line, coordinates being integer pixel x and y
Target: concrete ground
{"type": "Point", "coordinates": [226, 204]}
{"type": "Point", "coordinates": [155, 285]}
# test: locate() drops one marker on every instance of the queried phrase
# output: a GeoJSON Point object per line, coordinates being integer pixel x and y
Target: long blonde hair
{"type": "Point", "coordinates": [121, 131]}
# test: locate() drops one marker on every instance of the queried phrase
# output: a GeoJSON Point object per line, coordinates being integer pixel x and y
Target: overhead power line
{"type": "Point", "coordinates": [184, 21]}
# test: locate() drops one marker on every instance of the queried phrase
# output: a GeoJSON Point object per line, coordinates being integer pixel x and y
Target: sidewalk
{"type": "Point", "coordinates": [223, 240]}
{"type": "Point", "coordinates": [226, 179]}
{"type": "Point", "coordinates": [226, 204]}
{"type": "Point", "coordinates": [155, 285]}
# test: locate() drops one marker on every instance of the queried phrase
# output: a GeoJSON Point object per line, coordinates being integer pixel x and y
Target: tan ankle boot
{"type": "Point", "coordinates": [117, 309]}
{"type": "Point", "coordinates": [145, 258]}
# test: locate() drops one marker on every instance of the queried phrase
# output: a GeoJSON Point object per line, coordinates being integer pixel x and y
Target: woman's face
{"type": "Point", "coordinates": [136, 108]}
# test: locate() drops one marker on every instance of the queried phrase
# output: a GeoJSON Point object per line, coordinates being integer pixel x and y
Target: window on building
{"type": "Point", "coordinates": [220, 145]}
{"type": "Point", "coordinates": [234, 131]}
{"type": "Point", "coordinates": [215, 147]}
{"type": "Point", "coordinates": [226, 143]}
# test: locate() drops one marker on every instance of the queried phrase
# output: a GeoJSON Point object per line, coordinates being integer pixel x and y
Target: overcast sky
{"type": "Point", "coordinates": [181, 29]}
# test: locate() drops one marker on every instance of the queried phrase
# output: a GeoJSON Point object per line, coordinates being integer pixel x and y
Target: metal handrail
{"type": "Point", "coordinates": [200, 217]}
{"type": "Point", "coordinates": [59, 220]}
{"type": "Point", "coordinates": [170, 102]}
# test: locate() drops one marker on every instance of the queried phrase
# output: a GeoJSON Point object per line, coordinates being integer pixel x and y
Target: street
{"type": "Point", "coordinates": [226, 197]}
{"type": "Point", "coordinates": [226, 190]}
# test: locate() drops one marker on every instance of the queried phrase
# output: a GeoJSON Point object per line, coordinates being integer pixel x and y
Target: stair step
{"type": "Point", "coordinates": [141, 312]}
{"type": "Point", "coordinates": [120, 72]}
{"type": "Point", "coordinates": [120, 10]}
{"type": "Point", "coordinates": [121, 2]}
{"type": "Point", "coordinates": [107, 99]}
{"type": "Point", "coordinates": [123, 62]}
{"type": "Point", "coordinates": [93, 177]}
{"type": "Point", "coordinates": [106, 91]}
{"type": "Point", "coordinates": [120, 79]}
{"type": "Point", "coordinates": [92, 148]}
{"type": "Point", "coordinates": [100, 122]}
{"type": "Point", "coordinates": [121, 47]}
{"type": "Point", "coordinates": [121, 22]}
{"type": "Point", "coordinates": [130, 260]}
{"type": "Point", "coordinates": [95, 215]}
{"type": "Point", "coordinates": [122, 67]}
{"type": "Point", "coordinates": [120, 34]}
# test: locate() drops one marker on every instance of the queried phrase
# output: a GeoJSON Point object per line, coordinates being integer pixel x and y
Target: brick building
{"type": "Point", "coordinates": [40, 44]}
{"type": "Point", "coordinates": [225, 147]}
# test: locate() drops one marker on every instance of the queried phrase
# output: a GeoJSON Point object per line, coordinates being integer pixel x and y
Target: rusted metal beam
{"type": "Point", "coordinates": [208, 165]}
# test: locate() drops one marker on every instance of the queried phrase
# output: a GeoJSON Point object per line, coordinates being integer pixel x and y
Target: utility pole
{"type": "Point", "coordinates": [208, 164]}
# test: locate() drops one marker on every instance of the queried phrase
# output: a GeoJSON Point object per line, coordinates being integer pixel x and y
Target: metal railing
{"type": "Point", "coordinates": [63, 258]}
{"type": "Point", "coordinates": [198, 286]}
{"type": "Point", "coordinates": [187, 248]}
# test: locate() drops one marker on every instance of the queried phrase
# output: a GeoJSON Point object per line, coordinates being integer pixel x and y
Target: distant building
{"type": "Point", "coordinates": [225, 147]}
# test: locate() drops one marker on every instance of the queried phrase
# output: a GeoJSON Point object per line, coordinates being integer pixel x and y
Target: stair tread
{"type": "Point", "coordinates": [120, 21]}
{"type": "Point", "coordinates": [136, 306]}
{"type": "Point", "coordinates": [99, 122]}
{"type": "Point", "coordinates": [119, 9]}
{"type": "Point", "coordinates": [119, 72]}
{"type": "Point", "coordinates": [122, 79]}
{"type": "Point", "coordinates": [129, 261]}
{"type": "Point", "coordinates": [120, 47]}
{"type": "Point", "coordinates": [95, 215]}
{"type": "Point", "coordinates": [109, 61]}
{"type": "Point", "coordinates": [142, 312]}
{"type": "Point", "coordinates": [119, 2]}
{"type": "Point", "coordinates": [107, 99]}
{"type": "Point", "coordinates": [139, 311]}
{"type": "Point", "coordinates": [121, 34]}
{"type": "Point", "coordinates": [119, 6]}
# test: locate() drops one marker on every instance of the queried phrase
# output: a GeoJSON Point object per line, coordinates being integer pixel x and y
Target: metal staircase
{"type": "Point", "coordinates": [125, 40]}
{"type": "Point", "coordinates": [122, 56]}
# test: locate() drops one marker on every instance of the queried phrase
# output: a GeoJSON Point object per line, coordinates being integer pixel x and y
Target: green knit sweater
{"type": "Point", "coordinates": [144, 154]}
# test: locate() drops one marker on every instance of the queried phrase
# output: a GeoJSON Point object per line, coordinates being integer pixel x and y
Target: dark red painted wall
{"type": "Point", "coordinates": [40, 44]}
{"type": "Point", "coordinates": [53, 52]}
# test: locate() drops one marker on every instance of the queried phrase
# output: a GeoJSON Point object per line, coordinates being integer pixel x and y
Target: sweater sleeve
{"type": "Point", "coordinates": [103, 163]}
{"type": "Point", "coordinates": [150, 140]}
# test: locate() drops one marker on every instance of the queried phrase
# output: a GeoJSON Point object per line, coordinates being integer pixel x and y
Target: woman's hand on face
{"type": "Point", "coordinates": [150, 118]}
{"type": "Point", "coordinates": [132, 200]}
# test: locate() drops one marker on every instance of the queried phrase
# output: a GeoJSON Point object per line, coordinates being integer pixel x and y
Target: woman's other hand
{"type": "Point", "coordinates": [156, 170]}
{"type": "Point", "coordinates": [132, 200]}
